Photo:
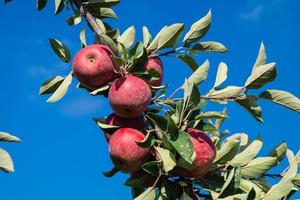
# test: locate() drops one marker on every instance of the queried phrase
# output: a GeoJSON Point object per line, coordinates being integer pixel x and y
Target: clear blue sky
{"type": "Point", "coordinates": [63, 152]}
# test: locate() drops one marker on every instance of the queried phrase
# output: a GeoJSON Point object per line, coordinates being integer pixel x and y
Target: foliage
{"type": "Point", "coordinates": [238, 171]}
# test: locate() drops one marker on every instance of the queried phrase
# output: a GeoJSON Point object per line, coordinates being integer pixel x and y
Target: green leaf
{"type": "Point", "coordinates": [261, 57]}
{"type": "Point", "coordinates": [258, 166]}
{"type": "Point", "coordinates": [154, 44]}
{"type": "Point", "coordinates": [229, 179]}
{"type": "Point", "coordinates": [148, 141]}
{"type": "Point", "coordinates": [167, 157]}
{"type": "Point", "coordinates": [185, 196]}
{"type": "Point", "coordinates": [189, 61]}
{"type": "Point", "coordinates": [75, 19]}
{"type": "Point", "coordinates": [152, 167]}
{"type": "Point", "coordinates": [248, 154]}
{"type": "Point", "coordinates": [59, 6]}
{"type": "Point", "coordinates": [183, 145]}
{"type": "Point", "coordinates": [211, 115]}
{"type": "Point", "coordinates": [102, 3]}
{"type": "Point", "coordinates": [6, 137]}
{"type": "Point", "coordinates": [41, 4]}
{"type": "Point", "coordinates": [100, 90]}
{"type": "Point", "coordinates": [261, 75]}
{"type": "Point", "coordinates": [199, 75]}
{"type": "Point", "coordinates": [111, 173]}
{"type": "Point", "coordinates": [165, 124]}
{"type": "Point", "coordinates": [242, 137]}
{"type": "Point", "coordinates": [127, 38]}
{"type": "Point", "coordinates": [102, 12]}
{"type": "Point", "coordinates": [292, 171]}
{"type": "Point", "coordinates": [169, 36]}
{"type": "Point", "coordinates": [221, 74]}
{"type": "Point", "coordinates": [60, 50]}
{"type": "Point", "coordinates": [103, 125]}
{"type": "Point", "coordinates": [6, 163]}
{"type": "Point", "coordinates": [51, 85]}
{"type": "Point", "coordinates": [279, 190]}
{"type": "Point", "coordinates": [82, 38]}
{"type": "Point", "coordinates": [146, 37]}
{"type": "Point", "coordinates": [283, 98]}
{"type": "Point", "coordinates": [227, 151]}
{"type": "Point", "coordinates": [191, 97]}
{"type": "Point", "coordinates": [225, 93]}
{"type": "Point", "coordinates": [210, 46]}
{"type": "Point", "coordinates": [148, 194]}
{"type": "Point", "coordinates": [106, 40]}
{"type": "Point", "coordinates": [198, 29]}
{"type": "Point", "coordinates": [279, 151]}
{"type": "Point", "coordinates": [249, 102]}
{"type": "Point", "coordinates": [61, 89]}
{"type": "Point", "coordinates": [249, 186]}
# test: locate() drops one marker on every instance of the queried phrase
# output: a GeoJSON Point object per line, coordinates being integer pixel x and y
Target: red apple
{"type": "Point", "coordinates": [155, 63]}
{"type": "Point", "coordinates": [93, 66]}
{"type": "Point", "coordinates": [125, 153]}
{"type": "Point", "coordinates": [129, 96]}
{"type": "Point", "coordinates": [205, 155]}
{"type": "Point", "coordinates": [137, 123]}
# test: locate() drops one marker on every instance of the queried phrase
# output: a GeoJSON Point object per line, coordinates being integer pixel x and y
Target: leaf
{"type": "Point", "coordinates": [283, 98]}
{"type": "Point", "coordinates": [51, 85]}
{"type": "Point", "coordinates": [258, 166]}
{"type": "Point", "coordinates": [211, 115]}
{"type": "Point", "coordinates": [146, 37]}
{"type": "Point", "coordinates": [127, 38]}
{"type": "Point", "coordinates": [184, 196]}
{"type": "Point", "coordinates": [167, 157]}
{"type": "Point", "coordinates": [6, 137]}
{"type": "Point", "coordinates": [199, 75]}
{"type": "Point", "coordinates": [102, 12]}
{"type": "Point", "coordinates": [279, 190]}
{"type": "Point", "coordinates": [228, 92]}
{"type": "Point", "coordinates": [75, 19]}
{"type": "Point", "coordinates": [227, 151]}
{"type": "Point", "coordinates": [106, 40]}
{"type": "Point", "coordinates": [102, 3]}
{"type": "Point", "coordinates": [183, 145]}
{"type": "Point", "coordinates": [279, 151]}
{"type": "Point", "coordinates": [148, 194]}
{"type": "Point", "coordinates": [221, 74]}
{"type": "Point", "coordinates": [165, 124]}
{"type": "Point", "coordinates": [228, 181]}
{"type": "Point", "coordinates": [103, 125]}
{"type": "Point", "coordinates": [154, 44]}
{"type": "Point", "coordinates": [242, 137]}
{"type": "Point", "coordinates": [41, 4]}
{"type": "Point", "coordinates": [60, 50]}
{"type": "Point", "coordinates": [111, 173]}
{"type": "Point", "coordinates": [6, 163]}
{"type": "Point", "coordinates": [248, 154]}
{"type": "Point", "coordinates": [249, 102]}
{"type": "Point", "coordinates": [59, 5]}
{"type": "Point", "coordinates": [82, 38]}
{"type": "Point", "coordinates": [191, 98]}
{"type": "Point", "coordinates": [210, 46]}
{"type": "Point", "coordinates": [198, 29]}
{"type": "Point", "coordinates": [61, 89]}
{"type": "Point", "coordinates": [292, 171]}
{"type": "Point", "coordinates": [152, 167]}
{"type": "Point", "coordinates": [148, 141]}
{"type": "Point", "coordinates": [249, 186]}
{"type": "Point", "coordinates": [189, 61]}
{"type": "Point", "coordinates": [100, 90]}
{"type": "Point", "coordinates": [169, 36]}
{"type": "Point", "coordinates": [261, 57]}
{"type": "Point", "coordinates": [261, 75]}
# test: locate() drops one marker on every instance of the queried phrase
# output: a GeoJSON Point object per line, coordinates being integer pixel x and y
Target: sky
{"type": "Point", "coordinates": [63, 153]}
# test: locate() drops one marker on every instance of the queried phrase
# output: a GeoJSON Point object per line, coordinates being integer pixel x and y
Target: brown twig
{"type": "Point", "coordinates": [88, 16]}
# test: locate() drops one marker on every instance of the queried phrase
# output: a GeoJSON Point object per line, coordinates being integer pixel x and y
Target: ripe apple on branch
{"type": "Point", "coordinates": [171, 146]}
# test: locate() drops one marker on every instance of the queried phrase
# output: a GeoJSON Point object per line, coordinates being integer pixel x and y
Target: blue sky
{"type": "Point", "coordinates": [63, 152]}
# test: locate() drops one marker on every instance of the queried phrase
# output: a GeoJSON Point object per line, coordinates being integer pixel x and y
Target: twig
{"type": "Point", "coordinates": [273, 175]}
{"type": "Point", "coordinates": [88, 16]}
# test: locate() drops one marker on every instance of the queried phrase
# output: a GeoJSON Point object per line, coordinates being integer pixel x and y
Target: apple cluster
{"type": "Point", "coordinates": [129, 97]}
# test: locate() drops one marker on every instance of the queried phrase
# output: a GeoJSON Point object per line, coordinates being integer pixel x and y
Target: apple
{"type": "Point", "coordinates": [127, 156]}
{"type": "Point", "coordinates": [137, 123]}
{"type": "Point", "coordinates": [93, 66]}
{"type": "Point", "coordinates": [156, 64]}
{"type": "Point", "coordinates": [129, 96]}
{"type": "Point", "coordinates": [205, 154]}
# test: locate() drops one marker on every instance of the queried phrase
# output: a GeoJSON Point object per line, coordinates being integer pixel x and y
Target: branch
{"type": "Point", "coordinates": [88, 16]}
